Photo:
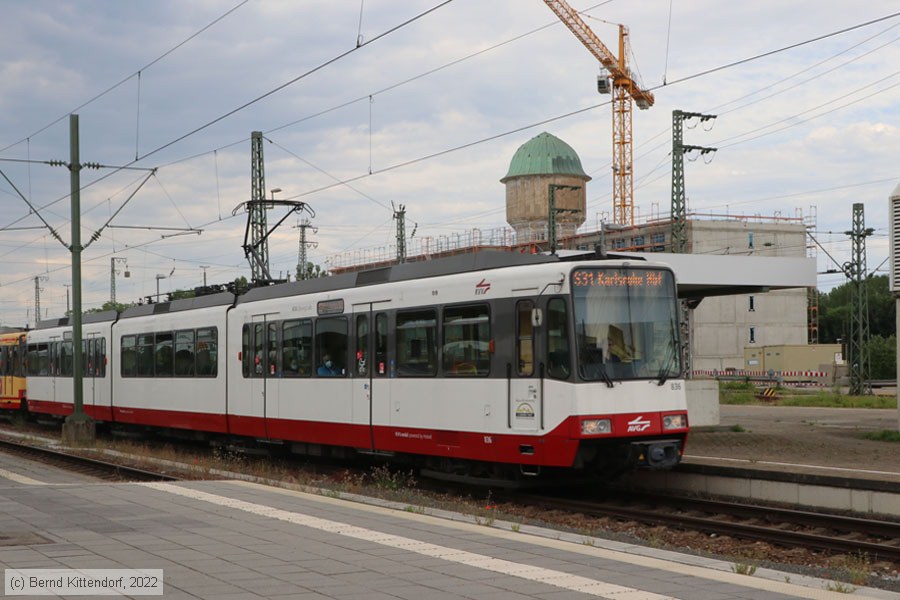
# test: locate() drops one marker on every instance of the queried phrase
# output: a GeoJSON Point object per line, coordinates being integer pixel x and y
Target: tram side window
{"type": "Point", "coordinates": [207, 352]}
{"type": "Point", "coordinates": [525, 338]}
{"type": "Point", "coordinates": [144, 349]}
{"type": "Point", "coordinates": [246, 353]}
{"type": "Point", "coordinates": [4, 357]}
{"type": "Point", "coordinates": [97, 361]}
{"type": "Point", "coordinates": [296, 348]}
{"type": "Point", "coordinates": [17, 356]}
{"type": "Point", "coordinates": [164, 355]}
{"type": "Point", "coordinates": [184, 353]}
{"type": "Point", "coordinates": [381, 344]}
{"type": "Point", "coordinates": [558, 355]}
{"type": "Point", "coordinates": [43, 356]}
{"type": "Point", "coordinates": [53, 359]}
{"type": "Point", "coordinates": [416, 343]}
{"type": "Point", "coordinates": [128, 358]}
{"type": "Point", "coordinates": [259, 350]}
{"type": "Point", "coordinates": [272, 345]}
{"type": "Point", "coordinates": [363, 363]}
{"type": "Point", "coordinates": [331, 346]}
{"type": "Point", "coordinates": [467, 341]}
{"type": "Point", "coordinates": [66, 359]}
{"type": "Point", "coordinates": [38, 360]}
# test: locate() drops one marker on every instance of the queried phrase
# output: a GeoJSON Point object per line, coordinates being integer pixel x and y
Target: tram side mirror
{"type": "Point", "coordinates": [537, 317]}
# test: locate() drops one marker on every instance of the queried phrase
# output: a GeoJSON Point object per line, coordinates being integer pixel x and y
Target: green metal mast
{"type": "Point", "coordinates": [400, 217]}
{"type": "Point", "coordinates": [679, 210]}
{"type": "Point", "coordinates": [855, 270]}
{"type": "Point", "coordinates": [259, 243]}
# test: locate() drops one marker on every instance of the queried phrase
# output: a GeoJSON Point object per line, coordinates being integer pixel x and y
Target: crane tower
{"type": "Point", "coordinates": [624, 90]}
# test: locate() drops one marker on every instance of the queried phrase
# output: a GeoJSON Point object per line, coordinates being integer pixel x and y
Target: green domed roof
{"type": "Point", "coordinates": [545, 154]}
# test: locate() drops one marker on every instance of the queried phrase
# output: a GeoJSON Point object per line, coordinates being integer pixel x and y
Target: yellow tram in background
{"type": "Point", "coordinates": [12, 369]}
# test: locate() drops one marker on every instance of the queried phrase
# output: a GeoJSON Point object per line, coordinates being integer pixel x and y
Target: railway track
{"type": "Point", "coordinates": [106, 471]}
{"type": "Point", "coordinates": [879, 540]}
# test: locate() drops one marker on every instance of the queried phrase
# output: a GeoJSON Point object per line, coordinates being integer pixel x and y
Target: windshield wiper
{"type": "Point", "coordinates": [601, 369]}
{"type": "Point", "coordinates": [665, 370]}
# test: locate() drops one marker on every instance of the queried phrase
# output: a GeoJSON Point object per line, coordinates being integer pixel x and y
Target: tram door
{"type": "Point", "coordinates": [264, 342]}
{"type": "Point", "coordinates": [525, 389]}
{"type": "Point", "coordinates": [371, 397]}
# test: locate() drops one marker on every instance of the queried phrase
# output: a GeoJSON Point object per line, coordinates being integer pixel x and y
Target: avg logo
{"type": "Point", "coordinates": [638, 424]}
{"type": "Point", "coordinates": [482, 287]}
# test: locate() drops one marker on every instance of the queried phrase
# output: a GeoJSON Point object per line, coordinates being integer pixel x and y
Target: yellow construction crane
{"type": "Point", "coordinates": [624, 89]}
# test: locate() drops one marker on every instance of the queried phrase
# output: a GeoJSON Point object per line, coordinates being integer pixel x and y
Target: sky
{"type": "Point", "coordinates": [367, 105]}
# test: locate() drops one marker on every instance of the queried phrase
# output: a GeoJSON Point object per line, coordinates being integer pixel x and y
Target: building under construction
{"type": "Point", "coordinates": [546, 171]}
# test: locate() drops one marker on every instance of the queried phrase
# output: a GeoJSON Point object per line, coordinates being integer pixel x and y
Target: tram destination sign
{"type": "Point", "coordinates": [609, 278]}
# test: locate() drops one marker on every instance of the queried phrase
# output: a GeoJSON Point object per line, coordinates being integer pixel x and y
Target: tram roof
{"type": "Point", "coordinates": [463, 263]}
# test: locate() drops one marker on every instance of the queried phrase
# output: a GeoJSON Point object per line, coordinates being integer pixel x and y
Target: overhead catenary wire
{"type": "Point", "coordinates": [127, 78]}
{"type": "Point", "coordinates": [545, 121]}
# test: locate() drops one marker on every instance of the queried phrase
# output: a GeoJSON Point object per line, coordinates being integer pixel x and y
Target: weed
{"type": "Point", "coordinates": [841, 588]}
{"type": "Point", "coordinates": [515, 527]}
{"type": "Point", "coordinates": [745, 386]}
{"type": "Point", "coordinates": [487, 515]}
{"type": "Point", "coordinates": [885, 435]}
{"type": "Point", "coordinates": [419, 510]}
{"type": "Point", "coordinates": [742, 568]}
{"type": "Point", "coordinates": [787, 578]}
{"type": "Point", "coordinates": [384, 478]}
{"type": "Point", "coordinates": [853, 568]}
{"type": "Point", "coordinates": [737, 428]}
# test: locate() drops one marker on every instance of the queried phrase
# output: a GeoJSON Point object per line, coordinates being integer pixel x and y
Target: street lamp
{"type": "Point", "coordinates": [158, 277]}
{"type": "Point", "coordinates": [272, 193]}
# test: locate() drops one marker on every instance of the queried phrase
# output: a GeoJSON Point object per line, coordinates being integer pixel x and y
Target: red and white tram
{"type": "Point", "coordinates": [481, 363]}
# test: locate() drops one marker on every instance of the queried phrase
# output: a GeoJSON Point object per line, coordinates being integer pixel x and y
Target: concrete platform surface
{"type": "Point", "coordinates": [237, 540]}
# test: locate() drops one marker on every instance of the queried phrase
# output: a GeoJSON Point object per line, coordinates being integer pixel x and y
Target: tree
{"type": "Point", "coordinates": [834, 319]}
{"type": "Point", "coordinates": [313, 271]}
{"type": "Point", "coordinates": [834, 310]}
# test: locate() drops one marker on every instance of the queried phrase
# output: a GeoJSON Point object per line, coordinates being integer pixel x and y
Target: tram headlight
{"type": "Point", "coordinates": [674, 422]}
{"type": "Point", "coordinates": [596, 426]}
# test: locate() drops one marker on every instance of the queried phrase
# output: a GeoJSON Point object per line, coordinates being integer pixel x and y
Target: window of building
{"type": "Point", "coordinates": [750, 239]}
{"type": "Point", "coordinates": [752, 339]}
{"type": "Point", "coordinates": [416, 341]}
{"type": "Point", "coordinates": [659, 242]}
{"type": "Point", "coordinates": [751, 303]}
{"type": "Point", "coordinates": [637, 243]}
{"type": "Point", "coordinates": [467, 340]}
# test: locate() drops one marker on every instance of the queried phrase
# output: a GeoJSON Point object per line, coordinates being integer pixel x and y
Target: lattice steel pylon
{"type": "Point", "coordinates": [679, 207]}
{"type": "Point", "coordinates": [855, 270]}
{"type": "Point", "coordinates": [258, 251]}
{"type": "Point", "coordinates": [812, 295]}
{"type": "Point", "coordinates": [400, 217]}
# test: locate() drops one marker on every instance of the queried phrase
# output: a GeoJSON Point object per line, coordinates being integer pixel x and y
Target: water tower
{"type": "Point", "coordinates": [539, 162]}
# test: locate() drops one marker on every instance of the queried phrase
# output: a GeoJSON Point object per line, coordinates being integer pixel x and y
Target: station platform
{"type": "Point", "coordinates": [826, 442]}
{"type": "Point", "coordinates": [236, 540]}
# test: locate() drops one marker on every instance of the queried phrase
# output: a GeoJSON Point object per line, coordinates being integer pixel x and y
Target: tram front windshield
{"type": "Point", "coordinates": [625, 324]}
